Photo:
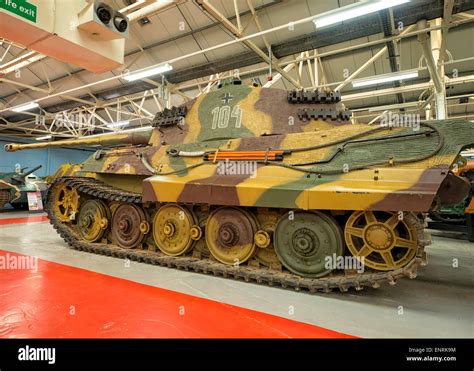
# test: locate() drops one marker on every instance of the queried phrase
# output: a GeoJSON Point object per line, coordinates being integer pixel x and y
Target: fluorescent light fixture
{"type": "Point", "coordinates": [394, 106]}
{"type": "Point", "coordinates": [118, 124]}
{"type": "Point", "coordinates": [44, 138]}
{"type": "Point", "coordinates": [397, 76]}
{"type": "Point", "coordinates": [25, 107]}
{"type": "Point", "coordinates": [149, 72]}
{"type": "Point", "coordinates": [20, 62]}
{"type": "Point", "coordinates": [354, 10]}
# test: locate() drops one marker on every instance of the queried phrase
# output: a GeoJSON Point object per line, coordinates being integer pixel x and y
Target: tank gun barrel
{"type": "Point", "coordinates": [20, 178]}
{"type": "Point", "coordinates": [125, 138]}
{"type": "Point", "coordinates": [24, 175]}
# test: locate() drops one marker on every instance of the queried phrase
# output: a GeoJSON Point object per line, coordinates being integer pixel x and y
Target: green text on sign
{"type": "Point", "coordinates": [21, 8]}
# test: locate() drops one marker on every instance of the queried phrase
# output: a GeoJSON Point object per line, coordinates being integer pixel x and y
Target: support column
{"type": "Point", "coordinates": [428, 113]}
{"type": "Point", "coordinates": [440, 97]}
{"type": "Point", "coordinates": [431, 50]}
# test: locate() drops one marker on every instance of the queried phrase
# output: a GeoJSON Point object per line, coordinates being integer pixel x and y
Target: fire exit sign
{"type": "Point", "coordinates": [21, 8]}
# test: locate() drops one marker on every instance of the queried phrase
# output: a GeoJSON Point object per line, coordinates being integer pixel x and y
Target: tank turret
{"type": "Point", "coordinates": [20, 178]}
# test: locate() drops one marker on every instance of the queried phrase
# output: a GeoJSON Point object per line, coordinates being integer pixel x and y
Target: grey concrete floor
{"type": "Point", "coordinates": [438, 303]}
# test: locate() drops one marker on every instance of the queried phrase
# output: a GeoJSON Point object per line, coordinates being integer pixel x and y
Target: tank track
{"type": "Point", "coordinates": [261, 275]}
{"type": "Point", "coordinates": [4, 197]}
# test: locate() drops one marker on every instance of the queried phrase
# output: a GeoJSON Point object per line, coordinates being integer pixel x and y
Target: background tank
{"type": "Point", "coordinates": [266, 185]}
{"type": "Point", "coordinates": [15, 186]}
{"type": "Point", "coordinates": [459, 217]}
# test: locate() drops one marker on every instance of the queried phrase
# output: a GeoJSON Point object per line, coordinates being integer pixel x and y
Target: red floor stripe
{"type": "Point", "coordinates": [67, 302]}
{"type": "Point", "coordinates": [27, 219]}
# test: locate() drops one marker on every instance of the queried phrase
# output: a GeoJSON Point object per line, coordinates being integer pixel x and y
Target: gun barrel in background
{"type": "Point", "coordinates": [24, 175]}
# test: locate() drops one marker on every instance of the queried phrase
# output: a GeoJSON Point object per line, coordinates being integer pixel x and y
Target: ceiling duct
{"type": "Point", "coordinates": [83, 33]}
{"type": "Point", "coordinates": [103, 22]}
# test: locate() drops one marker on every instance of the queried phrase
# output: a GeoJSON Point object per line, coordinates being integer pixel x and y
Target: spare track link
{"type": "Point", "coordinates": [332, 114]}
{"type": "Point", "coordinates": [169, 117]}
{"type": "Point", "coordinates": [266, 276]}
{"type": "Point", "coordinates": [315, 96]}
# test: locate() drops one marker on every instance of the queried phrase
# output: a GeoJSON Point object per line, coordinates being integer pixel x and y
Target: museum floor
{"type": "Point", "coordinates": [75, 294]}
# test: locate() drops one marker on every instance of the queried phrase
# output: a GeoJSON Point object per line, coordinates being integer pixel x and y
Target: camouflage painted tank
{"type": "Point", "coordinates": [263, 185]}
{"type": "Point", "coordinates": [15, 186]}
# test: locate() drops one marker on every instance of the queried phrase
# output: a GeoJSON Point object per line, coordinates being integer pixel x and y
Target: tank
{"type": "Point", "coordinates": [263, 185]}
{"type": "Point", "coordinates": [459, 217]}
{"type": "Point", "coordinates": [15, 186]}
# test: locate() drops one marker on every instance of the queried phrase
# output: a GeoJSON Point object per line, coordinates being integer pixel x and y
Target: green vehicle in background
{"type": "Point", "coordinates": [14, 187]}
{"type": "Point", "coordinates": [459, 217]}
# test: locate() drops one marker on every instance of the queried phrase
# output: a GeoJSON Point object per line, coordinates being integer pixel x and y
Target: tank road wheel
{"type": "Point", "coordinates": [65, 202]}
{"type": "Point", "coordinates": [267, 220]}
{"type": "Point", "coordinates": [93, 220]}
{"type": "Point", "coordinates": [230, 235]}
{"type": "Point", "coordinates": [383, 239]}
{"type": "Point", "coordinates": [303, 242]}
{"type": "Point", "coordinates": [129, 225]}
{"type": "Point", "coordinates": [175, 229]}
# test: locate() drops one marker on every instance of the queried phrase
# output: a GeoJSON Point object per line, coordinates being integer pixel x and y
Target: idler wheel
{"type": "Point", "coordinates": [385, 240]}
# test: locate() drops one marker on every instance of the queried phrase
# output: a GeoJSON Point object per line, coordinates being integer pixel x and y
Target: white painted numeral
{"type": "Point", "coordinates": [237, 114]}
{"type": "Point", "coordinates": [224, 116]}
{"type": "Point", "coordinates": [221, 117]}
{"type": "Point", "coordinates": [215, 117]}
